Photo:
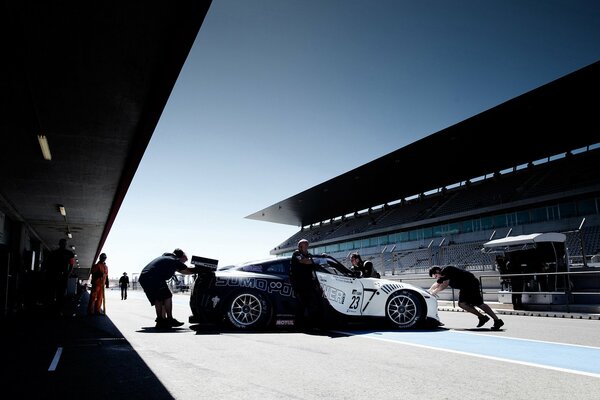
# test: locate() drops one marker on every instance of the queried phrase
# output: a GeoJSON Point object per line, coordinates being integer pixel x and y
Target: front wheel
{"type": "Point", "coordinates": [403, 309]}
{"type": "Point", "coordinates": [248, 310]}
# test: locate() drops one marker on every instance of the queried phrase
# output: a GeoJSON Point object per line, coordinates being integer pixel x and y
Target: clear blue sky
{"type": "Point", "coordinates": [277, 96]}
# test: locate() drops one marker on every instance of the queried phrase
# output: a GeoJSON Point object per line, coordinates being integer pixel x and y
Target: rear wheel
{"type": "Point", "coordinates": [403, 309]}
{"type": "Point", "coordinates": [248, 310]}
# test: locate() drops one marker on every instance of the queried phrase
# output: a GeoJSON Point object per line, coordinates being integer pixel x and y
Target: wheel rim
{"type": "Point", "coordinates": [246, 309]}
{"type": "Point", "coordinates": [402, 310]}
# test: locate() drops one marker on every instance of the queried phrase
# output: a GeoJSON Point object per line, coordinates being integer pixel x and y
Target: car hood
{"type": "Point", "coordinates": [388, 285]}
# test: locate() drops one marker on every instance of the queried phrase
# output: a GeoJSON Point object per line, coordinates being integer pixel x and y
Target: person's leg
{"type": "Point", "coordinates": [497, 321]}
{"type": "Point", "coordinates": [91, 300]}
{"type": "Point", "coordinates": [169, 320]}
{"type": "Point", "coordinates": [159, 307]}
{"type": "Point", "coordinates": [168, 308]}
{"type": "Point", "coordinates": [488, 310]}
{"type": "Point", "coordinates": [469, 308]}
{"type": "Point", "coordinates": [469, 296]}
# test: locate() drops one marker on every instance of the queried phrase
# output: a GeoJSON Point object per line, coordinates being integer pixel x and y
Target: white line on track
{"type": "Point", "coordinates": [55, 360]}
{"type": "Point", "coordinates": [473, 354]}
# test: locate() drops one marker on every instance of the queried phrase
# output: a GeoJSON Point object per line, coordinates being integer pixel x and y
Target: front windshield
{"type": "Point", "coordinates": [330, 265]}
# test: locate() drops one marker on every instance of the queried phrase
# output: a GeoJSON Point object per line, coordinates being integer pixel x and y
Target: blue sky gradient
{"type": "Point", "coordinates": [277, 96]}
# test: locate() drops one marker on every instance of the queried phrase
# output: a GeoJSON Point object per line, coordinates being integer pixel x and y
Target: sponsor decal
{"type": "Point", "coordinates": [215, 300]}
{"type": "Point", "coordinates": [334, 294]}
{"type": "Point", "coordinates": [390, 287]}
{"type": "Point", "coordinates": [265, 285]}
{"type": "Point", "coordinates": [344, 279]}
{"type": "Point", "coordinates": [285, 322]}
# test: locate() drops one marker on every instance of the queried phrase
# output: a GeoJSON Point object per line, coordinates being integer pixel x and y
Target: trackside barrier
{"type": "Point", "coordinates": [568, 292]}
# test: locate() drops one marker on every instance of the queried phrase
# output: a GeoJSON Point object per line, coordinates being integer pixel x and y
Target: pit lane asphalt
{"type": "Point", "coordinates": [122, 356]}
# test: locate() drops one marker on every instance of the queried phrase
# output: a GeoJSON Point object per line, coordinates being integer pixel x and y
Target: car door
{"type": "Point", "coordinates": [344, 293]}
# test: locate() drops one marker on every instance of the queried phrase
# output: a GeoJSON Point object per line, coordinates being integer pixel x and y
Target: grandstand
{"type": "Point", "coordinates": [450, 226]}
{"type": "Point", "coordinates": [494, 188]}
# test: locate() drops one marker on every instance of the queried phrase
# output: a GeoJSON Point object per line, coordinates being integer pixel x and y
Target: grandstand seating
{"type": "Point", "coordinates": [570, 174]}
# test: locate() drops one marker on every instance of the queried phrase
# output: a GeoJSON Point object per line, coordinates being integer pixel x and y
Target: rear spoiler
{"type": "Point", "coordinates": [205, 264]}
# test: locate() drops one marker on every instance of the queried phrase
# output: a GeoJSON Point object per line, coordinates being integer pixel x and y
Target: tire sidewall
{"type": "Point", "coordinates": [262, 321]}
{"type": "Point", "coordinates": [418, 307]}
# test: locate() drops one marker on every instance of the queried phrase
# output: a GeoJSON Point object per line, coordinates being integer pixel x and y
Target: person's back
{"type": "Point", "coordinates": [458, 278]}
{"type": "Point", "coordinates": [161, 268]}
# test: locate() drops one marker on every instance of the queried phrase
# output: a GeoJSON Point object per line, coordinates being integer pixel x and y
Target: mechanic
{"type": "Point", "coordinates": [306, 287]}
{"type": "Point", "coordinates": [469, 295]}
{"type": "Point", "coordinates": [153, 280]}
{"type": "Point", "coordinates": [363, 269]}
{"type": "Point", "coordinates": [99, 277]}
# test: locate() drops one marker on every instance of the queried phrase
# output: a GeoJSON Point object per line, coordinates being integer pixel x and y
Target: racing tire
{"type": "Point", "coordinates": [404, 309]}
{"type": "Point", "coordinates": [248, 310]}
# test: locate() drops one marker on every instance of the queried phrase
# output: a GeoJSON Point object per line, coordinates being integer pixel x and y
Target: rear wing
{"type": "Point", "coordinates": [205, 264]}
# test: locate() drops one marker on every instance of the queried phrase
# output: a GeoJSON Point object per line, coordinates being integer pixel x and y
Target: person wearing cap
{"type": "Point", "coordinates": [99, 277]}
{"type": "Point", "coordinates": [306, 287]}
{"type": "Point", "coordinates": [153, 280]}
{"type": "Point", "coordinates": [124, 284]}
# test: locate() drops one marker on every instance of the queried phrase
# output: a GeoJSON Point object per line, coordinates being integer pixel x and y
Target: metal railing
{"type": "Point", "coordinates": [568, 291]}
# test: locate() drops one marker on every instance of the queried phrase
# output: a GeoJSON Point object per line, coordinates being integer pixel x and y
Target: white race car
{"type": "Point", "coordinates": [404, 305]}
{"type": "Point", "coordinates": [259, 294]}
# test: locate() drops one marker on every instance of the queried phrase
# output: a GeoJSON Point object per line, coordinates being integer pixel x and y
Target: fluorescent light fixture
{"type": "Point", "coordinates": [70, 235]}
{"type": "Point", "coordinates": [45, 148]}
{"type": "Point", "coordinates": [62, 210]}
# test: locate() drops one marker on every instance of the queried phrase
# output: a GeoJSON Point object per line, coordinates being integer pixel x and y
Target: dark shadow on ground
{"type": "Point", "coordinates": [152, 329]}
{"type": "Point", "coordinates": [53, 356]}
{"type": "Point", "coordinates": [332, 331]}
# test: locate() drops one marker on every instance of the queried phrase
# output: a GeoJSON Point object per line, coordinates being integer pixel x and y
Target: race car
{"type": "Point", "coordinates": [259, 294]}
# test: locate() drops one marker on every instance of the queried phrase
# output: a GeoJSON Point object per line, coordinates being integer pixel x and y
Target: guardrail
{"type": "Point", "coordinates": [568, 292]}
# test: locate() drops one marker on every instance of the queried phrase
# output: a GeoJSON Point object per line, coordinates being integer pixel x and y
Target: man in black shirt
{"type": "Point", "coordinates": [306, 287]}
{"type": "Point", "coordinates": [153, 280]}
{"type": "Point", "coordinates": [124, 284]}
{"type": "Point", "coordinates": [469, 295]}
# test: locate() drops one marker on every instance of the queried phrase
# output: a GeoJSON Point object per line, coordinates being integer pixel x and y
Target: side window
{"type": "Point", "coordinates": [252, 268]}
{"type": "Point", "coordinates": [278, 268]}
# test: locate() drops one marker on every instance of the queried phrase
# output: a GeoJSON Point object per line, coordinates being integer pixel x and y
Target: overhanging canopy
{"type": "Point", "coordinates": [552, 119]}
{"type": "Point", "coordinates": [93, 77]}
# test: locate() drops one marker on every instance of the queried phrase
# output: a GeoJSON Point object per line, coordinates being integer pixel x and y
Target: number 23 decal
{"type": "Point", "coordinates": [354, 303]}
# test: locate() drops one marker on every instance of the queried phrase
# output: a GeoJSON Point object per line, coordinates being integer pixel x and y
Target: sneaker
{"type": "Point", "coordinates": [162, 323]}
{"type": "Point", "coordinates": [173, 322]}
{"type": "Point", "coordinates": [497, 324]}
{"type": "Point", "coordinates": [483, 320]}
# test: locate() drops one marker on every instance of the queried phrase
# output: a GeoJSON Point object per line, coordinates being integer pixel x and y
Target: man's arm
{"type": "Point", "coordinates": [438, 287]}
{"type": "Point", "coordinates": [188, 271]}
